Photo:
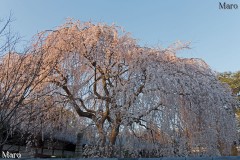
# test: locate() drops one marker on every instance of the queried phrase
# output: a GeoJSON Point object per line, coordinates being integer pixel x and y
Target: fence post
{"type": "Point", "coordinates": [78, 149]}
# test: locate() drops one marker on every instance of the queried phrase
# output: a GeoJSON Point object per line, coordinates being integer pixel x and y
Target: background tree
{"type": "Point", "coordinates": [233, 80]}
{"type": "Point", "coordinates": [19, 77]}
{"type": "Point", "coordinates": [7, 44]}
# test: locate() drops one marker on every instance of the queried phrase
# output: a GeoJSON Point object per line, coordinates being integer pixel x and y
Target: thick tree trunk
{"type": "Point", "coordinates": [114, 134]}
{"type": "Point", "coordinates": [102, 135]}
{"type": "Point", "coordinates": [115, 129]}
{"type": "Point", "coordinates": [112, 139]}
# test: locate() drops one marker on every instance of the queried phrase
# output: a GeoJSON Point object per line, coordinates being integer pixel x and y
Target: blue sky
{"type": "Point", "coordinates": [214, 33]}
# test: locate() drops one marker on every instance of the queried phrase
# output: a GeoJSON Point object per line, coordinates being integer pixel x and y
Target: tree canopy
{"type": "Point", "coordinates": [116, 90]}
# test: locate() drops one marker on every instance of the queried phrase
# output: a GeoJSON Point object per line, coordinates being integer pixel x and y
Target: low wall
{"type": "Point", "coordinates": [163, 158]}
{"type": "Point", "coordinates": [31, 151]}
